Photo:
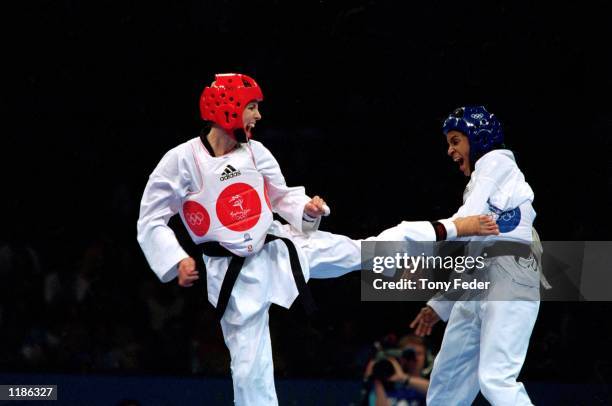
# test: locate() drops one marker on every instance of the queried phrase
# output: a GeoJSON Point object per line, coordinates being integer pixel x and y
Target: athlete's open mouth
{"type": "Point", "coordinates": [249, 129]}
{"type": "Point", "coordinates": [459, 161]}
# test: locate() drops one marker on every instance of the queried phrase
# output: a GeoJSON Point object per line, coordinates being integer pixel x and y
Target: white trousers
{"type": "Point", "coordinates": [248, 336]}
{"type": "Point", "coordinates": [251, 359]}
{"type": "Point", "coordinates": [328, 255]}
{"type": "Point", "coordinates": [485, 343]}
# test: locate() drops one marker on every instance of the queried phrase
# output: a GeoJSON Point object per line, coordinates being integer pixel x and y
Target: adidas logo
{"type": "Point", "coordinates": [228, 173]}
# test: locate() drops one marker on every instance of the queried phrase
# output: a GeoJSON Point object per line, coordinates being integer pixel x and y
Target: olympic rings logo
{"type": "Point", "coordinates": [507, 216]}
{"type": "Point", "coordinates": [477, 116]}
{"type": "Point", "coordinates": [195, 219]}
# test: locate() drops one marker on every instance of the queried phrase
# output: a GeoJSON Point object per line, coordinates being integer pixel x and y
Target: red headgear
{"type": "Point", "coordinates": [226, 98]}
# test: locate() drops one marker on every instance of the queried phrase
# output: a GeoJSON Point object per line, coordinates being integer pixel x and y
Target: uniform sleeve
{"type": "Point", "coordinates": [422, 231]}
{"type": "Point", "coordinates": [493, 170]}
{"type": "Point", "coordinates": [441, 306]}
{"type": "Point", "coordinates": [287, 201]}
{"type": "Point", "coordinates": [160, 201]}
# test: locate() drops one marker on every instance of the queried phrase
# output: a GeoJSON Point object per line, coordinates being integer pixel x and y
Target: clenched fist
{"type": "Point", "coordinates": [187, 273]}
{"type": "Point", "coordinates": [315, 207]}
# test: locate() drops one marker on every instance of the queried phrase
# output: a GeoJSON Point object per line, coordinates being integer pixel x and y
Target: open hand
{"type": "Point", "coordinates": [424, 321]}
{"type": "Point", "coordinates": [476, 225]}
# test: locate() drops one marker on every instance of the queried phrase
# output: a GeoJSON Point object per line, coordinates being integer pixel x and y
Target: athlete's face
{"type": "Point", "coordinates": [250, 116]}
{"type": "Point", "coordinates": [419, 357]}
{"type": "Point", "coordinates": [459, 150]}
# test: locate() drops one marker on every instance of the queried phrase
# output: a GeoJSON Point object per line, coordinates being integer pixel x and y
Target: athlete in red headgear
{"type": "Point", "coordinates": [225, 192]}
{"type": "Point", "coordinates": [226, 99]}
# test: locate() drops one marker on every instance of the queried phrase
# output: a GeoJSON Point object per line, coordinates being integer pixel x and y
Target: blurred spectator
{"type": "Point", "coordinates": [423, 360]}
{"type": "Point", "coordinates": [395, 375]}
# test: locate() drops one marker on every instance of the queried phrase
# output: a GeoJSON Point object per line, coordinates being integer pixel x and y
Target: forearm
{"type": "Point", "coordinates": [288, 202]}
{"type": "Point", "coordinates": [422, 231]}
{"type": "Point", "coordinates": [381, 396]}
{"type": "Point", "coordinates": [160, 201]}
{"type": "Point", "coordinates": [419, 384]}
{"type": "Point", "coordinates": [161, 249]}
{"type": "Point", "coordinates": [310, 223]}
{"type": "Point", "coordinates": [442, 306]}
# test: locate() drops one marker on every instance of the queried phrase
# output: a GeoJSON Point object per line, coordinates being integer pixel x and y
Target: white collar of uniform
{"type": "Point", "coordinates": [495, 154]}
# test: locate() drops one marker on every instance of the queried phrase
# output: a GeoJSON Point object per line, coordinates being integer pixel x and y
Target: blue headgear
{"type": "Point", "coordinates": [482, 128]}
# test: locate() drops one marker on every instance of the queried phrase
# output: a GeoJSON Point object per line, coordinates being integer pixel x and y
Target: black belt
{"type": "Point", "coordinates": [502, 248]}
{"type": "Point", "coordinates": [214, 249]}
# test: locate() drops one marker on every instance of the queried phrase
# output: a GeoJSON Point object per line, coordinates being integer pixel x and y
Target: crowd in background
{"type": "Point", "coordinates": [94, 307]}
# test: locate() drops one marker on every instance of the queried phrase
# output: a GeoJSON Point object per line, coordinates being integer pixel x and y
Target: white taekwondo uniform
{"type": "Point", "coordinates": [485, 341]}
{"type": "Point", "coordinates": [230, 199]}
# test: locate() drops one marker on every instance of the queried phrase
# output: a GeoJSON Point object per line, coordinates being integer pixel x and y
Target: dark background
{"type": "Point", "coordinates": [96, 92]}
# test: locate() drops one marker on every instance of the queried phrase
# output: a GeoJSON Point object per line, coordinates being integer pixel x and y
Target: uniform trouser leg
{"type": "Point", "coordinates": [333, 255]}
{"type": "Point", "coordinates": [251, 360]}
{"type": "Point", "coordinates": [454, 378]}
{"type": "Point", "coordinates": [506, 329]}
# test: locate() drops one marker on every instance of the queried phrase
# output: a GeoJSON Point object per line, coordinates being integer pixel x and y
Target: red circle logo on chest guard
{"type": "Point", "coordinates": [196, 217]}
{"type": "Point", "coordinates": [239, 207]}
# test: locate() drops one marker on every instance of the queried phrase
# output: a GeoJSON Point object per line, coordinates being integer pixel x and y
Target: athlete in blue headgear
{"type": "Point", "coordinates": [486, 340]}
